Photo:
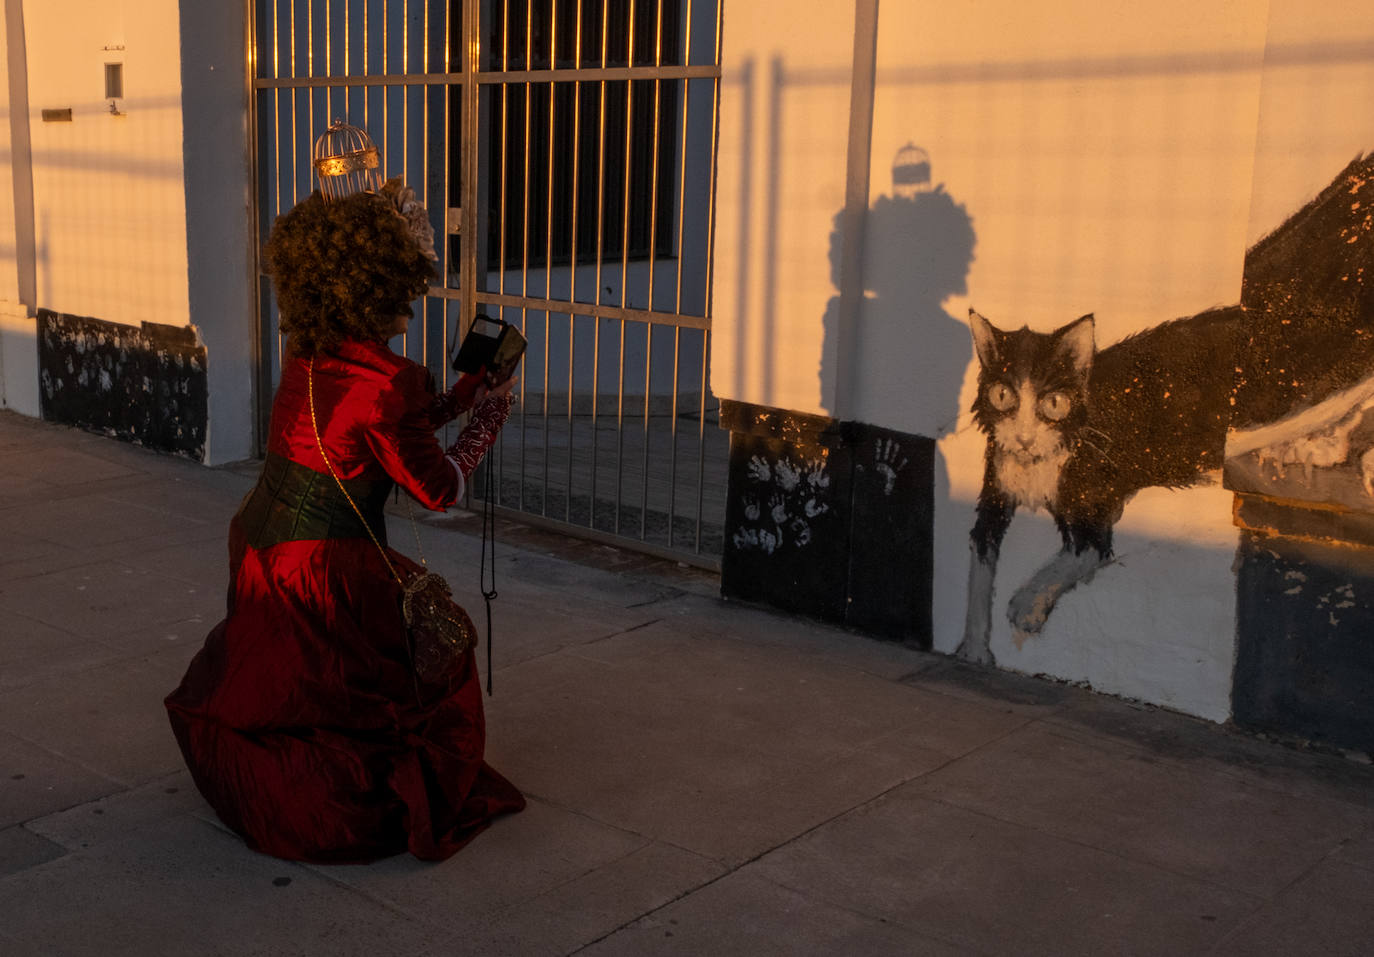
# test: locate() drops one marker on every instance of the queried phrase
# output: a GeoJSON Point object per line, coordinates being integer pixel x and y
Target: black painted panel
{"type": "Point", "coordinates": [1305, 640]}
{"type": "Point", "coordinates": [891, 552]}
{"type": "Point", "coordinates": [142, 384]}
{"type": "Point", "coordinates": [787, 525]}
{"type": "Point", "coordinates": [830, 519]}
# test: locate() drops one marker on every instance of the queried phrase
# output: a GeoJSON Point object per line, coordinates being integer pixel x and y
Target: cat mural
{"type": "Point", "coordinates": [1078, 431]}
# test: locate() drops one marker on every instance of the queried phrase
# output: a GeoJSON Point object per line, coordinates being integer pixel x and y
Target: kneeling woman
{"type": "Point", "coordinates": [305, 720]}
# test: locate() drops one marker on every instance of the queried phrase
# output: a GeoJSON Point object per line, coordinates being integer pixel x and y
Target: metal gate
{"type": "Point", "coordinates": [566, 152]}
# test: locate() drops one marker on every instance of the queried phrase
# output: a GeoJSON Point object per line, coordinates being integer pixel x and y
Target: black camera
{"type": "Point", "coordinates": [491, 344]}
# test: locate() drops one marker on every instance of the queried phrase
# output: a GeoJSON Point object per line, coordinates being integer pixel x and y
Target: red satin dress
{"type": "Point", "coordinates": [301, 719]}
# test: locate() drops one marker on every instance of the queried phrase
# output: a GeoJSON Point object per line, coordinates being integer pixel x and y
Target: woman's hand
{"type": "Point", "coordinates": [484, 390]}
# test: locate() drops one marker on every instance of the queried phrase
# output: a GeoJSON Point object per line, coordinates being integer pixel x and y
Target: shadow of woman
{"type": "Point", "coordinates": [911, 354]}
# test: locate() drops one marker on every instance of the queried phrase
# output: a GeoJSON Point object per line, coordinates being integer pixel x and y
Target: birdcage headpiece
{"type": "Point", "coordinates": [346, 161]}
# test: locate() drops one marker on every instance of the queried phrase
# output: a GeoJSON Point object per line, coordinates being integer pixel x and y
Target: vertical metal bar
{"type": "Point", "coordinates": [548, 244]}
{"type": "Point", "coordinates": [625, 258]}
{"type": "Point", "coordinates": [629, 144]}
{"type": "Point", "coordinates": [648, 393]}
{"type": "Point", "coordinates": [653, 251]}
{"type": "Point", "coordinates": [575, 192]}
{"type": "Point", "coordinates": [276, 98]}
{"type": "Point", "coordinates": [715, 148]}
{"type": "Point", "coordinates": [525, 246]}
{"type": "Point", "coordinates": [310, 96]}
{"type": "Point", "coordinates": [501, 239]}
{"type": "Point", "coordinates": [295, 135]}
{"type": "Point", "coordinates": [472, 125]}
{"type": "Point", "coordinates": [405, 91]}
{"type": "Point", "coordinates": [386, 89]}
{"type": "Point", "coordinates": [653, 177]}
{"type": "Point", "coordinates": [252, 37]}
{"type": "Point", "coordinates": [600, 255]}
{"type": "Point", "coordinates": [423, 191]}
{"type": "Point", "coordinates": [701, 435]}
{"type": "Point", "coordinates": [710, 269]}
{"type": "Point", "coordinates": [672, 436]}
{"type": "Point", "coordinates": [576, 151]}
{"type": "Point", "coordinates": [365, 87]}
{"type": "Point", "coordinates": [682, 168]}
{"type": "Point", "coordinates": [328, 60]}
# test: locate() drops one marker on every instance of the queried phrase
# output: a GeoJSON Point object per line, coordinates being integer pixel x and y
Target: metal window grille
{"type": "Point", "coordinates": [566, 150]}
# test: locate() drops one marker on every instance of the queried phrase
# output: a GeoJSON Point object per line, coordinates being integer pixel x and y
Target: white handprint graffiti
{"type": "Point", "coordinates": [889, 461]}
{"type": "Point", "coordinates": [780, 514]}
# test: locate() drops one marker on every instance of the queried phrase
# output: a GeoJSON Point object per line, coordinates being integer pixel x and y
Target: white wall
{"type": "Point", "coordinates": [1316, 107]}
{"type": "Point", "coordinates": [780, 183]}
{"type": "Point", "coordinates": [217, 230]}
{"type": "Point", "coordinates": [109, 194]}
{"type": "Point", "coordinates": [144, 215]}
{"type": "Point", "coordinates": [1104, 154]}
{"type": "Point", "coordinates": [1112, 158]}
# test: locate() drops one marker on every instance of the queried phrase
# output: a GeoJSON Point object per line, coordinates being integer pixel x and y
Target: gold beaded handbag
{"type": "Point", "coordinates": [438, 628]}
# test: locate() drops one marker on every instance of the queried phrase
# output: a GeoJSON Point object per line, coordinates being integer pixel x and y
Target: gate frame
{"type": "Point", "coordinates": [470, 80]}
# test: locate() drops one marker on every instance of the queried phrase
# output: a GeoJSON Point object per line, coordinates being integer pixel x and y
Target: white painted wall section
{"type": "Point", "coordinates": [780, 185]}
{"type": "Point", "coordinates": [109, 192]}
{"type": "Point", "coordinates": [18, 338]}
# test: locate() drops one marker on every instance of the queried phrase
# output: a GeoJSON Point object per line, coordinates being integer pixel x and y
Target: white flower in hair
{"type": "Point", "coordinates": [413, 212]}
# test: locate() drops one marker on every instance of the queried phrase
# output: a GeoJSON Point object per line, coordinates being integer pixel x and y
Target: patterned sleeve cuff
{"type": "Point", "coordinates": [462, 482]}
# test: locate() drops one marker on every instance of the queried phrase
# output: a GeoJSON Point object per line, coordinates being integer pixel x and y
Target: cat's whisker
{"type": "Point", "coordinates": [1083, 441]}
{"type": "Point", "coordinates": [1098, 432]}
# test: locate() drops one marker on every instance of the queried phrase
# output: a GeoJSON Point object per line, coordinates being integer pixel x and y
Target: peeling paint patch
{"type": "Point", "coordinates": [141, 384]}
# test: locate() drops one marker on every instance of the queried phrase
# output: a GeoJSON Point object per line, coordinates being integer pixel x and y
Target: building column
{"type": "Point", "coordinates": [18, 327]}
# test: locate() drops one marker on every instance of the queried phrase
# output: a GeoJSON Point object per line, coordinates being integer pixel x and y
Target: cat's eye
{"type": "Point", "coordinates": [1001, 397]}
{"type": "Point", "coordinates": [1055, 405]}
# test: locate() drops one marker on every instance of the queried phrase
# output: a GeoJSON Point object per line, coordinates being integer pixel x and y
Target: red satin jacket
{"type": "Point", "coordinates": [377, 415]}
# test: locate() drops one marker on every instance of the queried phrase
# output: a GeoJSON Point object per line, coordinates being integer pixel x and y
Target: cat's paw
{"type": "Point", "coordinates": [1029, 609]}
{"type": "Point", "coordinates": [975, 651]}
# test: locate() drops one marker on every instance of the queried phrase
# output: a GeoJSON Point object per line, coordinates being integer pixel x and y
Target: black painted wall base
{"type": "Point", "coordinates": [830, 519]}
{"type": "Point", "coordinates": [142, 384]}
{"type": "Point", "coordinates": [1305, 640]}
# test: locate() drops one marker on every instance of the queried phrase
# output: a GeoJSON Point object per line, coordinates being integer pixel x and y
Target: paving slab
{"type": "Point", "coordinates": [108, 720]}
{"type": "Point", "coordinates": [116, 816]}
{"type": "Point", "coordinates": [84, 521]}
{"type": "Point", "coordinates": [678, 738]}
{"type": "Point", "coordinates": [31, 651]}
{"type": "Point", "coordinates": [104, 600]}
{"type": "Point", "coordinates": [547, 880]}
{"type": "Point", "coordinates": [1359, 851]}
{"type": "Point", "coordinates": [1208, 826]}
{"type": "Point", "coordinates": [526, 628]}
{"type": "Point", "coordinates": [745, 914]}
{"type": "Point", "coordinates": [203, 564]}
{"type": "Point", "coordinates": [1015, 692]}
{"type": "Point", "coordinates": [715, 617]}
{"type": "Point", "coordinates": [995, 887]}
{"type": "Point", "coordinates": [1295, 771]}
{"type": "Point", "coordinates": [21, 848]}
{"type": "Point", "coordinates": [1327, 913]}
{"type": "Point", "coordinates": [184, 887]}
{"type": "Point", "coordinates": [35, 782]}
{"type": "Point", "coordinates": [587, 908]}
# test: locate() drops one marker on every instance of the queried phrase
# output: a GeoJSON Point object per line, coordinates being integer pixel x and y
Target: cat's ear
{"type": "Point", "coordinates": [1076, 341]}
{"type": "Point", "coordinates": [984, 340]}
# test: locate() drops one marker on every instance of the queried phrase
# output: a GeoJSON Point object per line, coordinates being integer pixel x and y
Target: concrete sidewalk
{"type": "Point", "coordinates": [704, 778]}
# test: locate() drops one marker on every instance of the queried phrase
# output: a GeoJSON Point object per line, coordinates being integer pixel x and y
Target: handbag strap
{"type": "Point", "coordinates": [314, 424]}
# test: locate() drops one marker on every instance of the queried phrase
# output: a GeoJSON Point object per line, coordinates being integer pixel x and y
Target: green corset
{"type": "Point", "coordinates": [292, 503]}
